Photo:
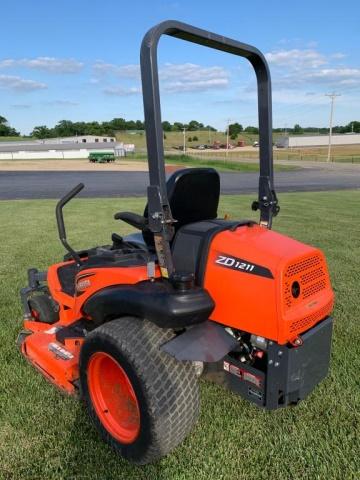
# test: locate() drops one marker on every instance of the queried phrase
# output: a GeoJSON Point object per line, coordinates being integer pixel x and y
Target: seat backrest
{"type": "Point", "coordinates": [193, 195]}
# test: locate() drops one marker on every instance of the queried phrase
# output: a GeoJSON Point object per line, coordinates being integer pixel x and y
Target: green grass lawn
{"type": "Point", "coordinates": [45, 435]}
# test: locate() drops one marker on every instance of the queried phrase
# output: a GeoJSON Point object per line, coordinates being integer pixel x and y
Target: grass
{"type": "Point", "coordinates": [45, 435]}
{"type": "Point", "coordinates": [221, 165]}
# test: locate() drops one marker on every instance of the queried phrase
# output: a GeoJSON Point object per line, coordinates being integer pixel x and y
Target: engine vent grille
{"type": "Point", "coordinates": [306, 322]}
{"type": "Point", "coordinates": [311, 275]}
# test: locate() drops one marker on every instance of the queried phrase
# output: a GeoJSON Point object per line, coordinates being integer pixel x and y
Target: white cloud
{"type": "Point", "coordinates": [196, 86]}
{"type": "Point", "coordinates": [18, 84]}
{"type": "Point", "coordinates": [121, 91]}
{"type": "Point", "coordinates": [183, 77]}
{"type": "Point", "coordinates": [340, 76]}
{"type": "Point", "coordinates": [61, 103]}
{"type": "Point", "coordinates": [21, 106]}
{"type": "Point", "coordinates": [191, 72]}
{"type": "Point", "coordinates": [296, 58]}
{"type": "Point", "coordinates": [190, 77]}
{"type": "Point", "coordinates": [46, 64]}
{"type": "Point", "coordinates": [126, 71]}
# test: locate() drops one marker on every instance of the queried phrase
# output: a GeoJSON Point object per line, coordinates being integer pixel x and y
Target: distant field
{"type": "Point", "coordinates": [173, 140]}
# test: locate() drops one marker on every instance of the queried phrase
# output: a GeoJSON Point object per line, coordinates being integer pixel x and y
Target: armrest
{"type": "Point", "coordinates": [136, 221]}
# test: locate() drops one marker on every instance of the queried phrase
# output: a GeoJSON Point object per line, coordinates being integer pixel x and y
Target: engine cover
{"type": "Point", "coordinates": [266, 283]}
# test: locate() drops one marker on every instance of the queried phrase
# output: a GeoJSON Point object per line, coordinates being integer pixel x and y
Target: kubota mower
{"type": "Point", "coordinates": [132, 325]}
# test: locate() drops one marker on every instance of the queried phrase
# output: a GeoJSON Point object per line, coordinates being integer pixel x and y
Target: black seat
{"type": "Point", "coordinates": [193, 195]}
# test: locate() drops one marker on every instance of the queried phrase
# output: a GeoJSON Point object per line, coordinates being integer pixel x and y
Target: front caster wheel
{"type": "Point", "coordinates": [143, 401]}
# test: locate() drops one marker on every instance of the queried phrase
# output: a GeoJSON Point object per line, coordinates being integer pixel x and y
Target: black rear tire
{"type": "Point", "coordinates": [166, 390]}
{"type": "Point", "coordinates": [44, 308]}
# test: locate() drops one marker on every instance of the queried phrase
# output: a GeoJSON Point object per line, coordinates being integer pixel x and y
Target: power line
{"type": "Point", "coordinates": [332, 96]}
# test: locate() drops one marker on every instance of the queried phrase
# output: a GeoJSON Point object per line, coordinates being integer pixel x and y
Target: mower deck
{"type": "Point", "coordinates": [58, 362]}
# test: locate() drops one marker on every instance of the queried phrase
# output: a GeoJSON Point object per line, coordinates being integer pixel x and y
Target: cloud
{"type": "Point", "coordinates": [101, 68]}
{"type": "Point", "coordinates": [61, 103]}
{"type": "Point", "coordinates": [18, 84]}
{"type": "Point", "coordinates": [196, 86]}
{"type": "Point", "coordinates": [46, 64]}
{"type": "Point", "coordinates": [330, 77]}
{"type": "Point", "coordinates": [122, 91]}
{"type": "Point", "coordinates": [296, 58]}
{"type": "Point", "coordinates": [296, 68]}
{"type": "Point", "coordinates": [175, 78]}
{"type": "Point", "coordinates": [338, 55]}
{"type": "Point", "coordinates": [191, 71]}
{"type": "Point", "coordinates": [340, 76]}
{"type": "Point", "coordinates": [190, 77]}
{"type": "Point", "coordinates": [20, 106]}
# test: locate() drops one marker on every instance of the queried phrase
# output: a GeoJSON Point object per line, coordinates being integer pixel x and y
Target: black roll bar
{"type": "Point", "coordinates": [60, 220]}
{"type": "Point", "coordinates": [160, 218]}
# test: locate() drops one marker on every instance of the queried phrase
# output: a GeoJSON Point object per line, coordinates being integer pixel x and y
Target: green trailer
{"type": "Point", "coordinates": [101, 157]}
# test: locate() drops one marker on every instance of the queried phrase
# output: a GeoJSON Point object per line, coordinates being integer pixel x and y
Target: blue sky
{"type": "Point", "coordinates": [78, 60]}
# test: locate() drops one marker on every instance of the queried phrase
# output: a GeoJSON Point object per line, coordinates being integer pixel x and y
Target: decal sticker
{"type": "Point", "coordinates": [82, 284]}
{"type": "Point", "coordinates": [255, 393]}
{"type": "Point", "coordinates": [244, 375]}
{"type": "Point", "coordinates": [242, 265]}
{"type": "Point", "coordinates": [52, 330]}
{"type": "Point", "coordinates": [60, 351]}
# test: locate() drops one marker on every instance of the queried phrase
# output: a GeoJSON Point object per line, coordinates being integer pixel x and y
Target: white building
{"type": "Point", "coordinates": [80, 139]}
{"type": "Point", "coordinates": [300, 141]}
{"type": "Point", "coordinates": [54, 148]}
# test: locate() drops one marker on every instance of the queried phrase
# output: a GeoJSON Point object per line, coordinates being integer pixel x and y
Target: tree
{"type": "Point", "coordinates": [251, 129]}
{"type": "Point", "coordinates": [298, 129]}
{"type": "Point", "coordinates": [195, 138]}
{"type": "Point", "coordinates": [209, 127]}
{"type": "Point", "coordinates": [177, 127]}
{"type": "Point", "coordinates": [235, 129]}
{"type": "Point", "coordinates": [65, 128]}
{"type": "Point", "coordinates": [41, 132]}
{"type": "Point", "coordinates": [194, 125]}
{"type": "Point", "coordinates": [6, 130]}
{"type": "Point", "coordinates": [166, 126]}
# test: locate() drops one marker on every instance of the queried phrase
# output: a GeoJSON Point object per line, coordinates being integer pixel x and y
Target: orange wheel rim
{"type": "Point", "coordinates": [113, 397]}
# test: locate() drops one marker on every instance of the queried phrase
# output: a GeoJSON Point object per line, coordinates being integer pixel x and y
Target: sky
{"type": "Point", "coordinates": [79, 60]}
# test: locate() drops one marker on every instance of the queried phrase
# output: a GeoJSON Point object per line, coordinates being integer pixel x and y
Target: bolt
{"type": "Point", "coordinates": [277, 364]}
{"type": "Point", "coordinates": [280, 353]}
{"type": "Point", "coordinates": [271, 362]}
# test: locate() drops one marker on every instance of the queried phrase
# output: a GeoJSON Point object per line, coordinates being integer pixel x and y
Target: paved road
{"type": "Point", "coordinates": [28, 185]}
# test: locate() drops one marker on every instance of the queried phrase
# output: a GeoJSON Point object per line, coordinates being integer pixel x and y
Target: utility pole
{"type": "Point", "coordinates": [184, 141]}
{"type": "Point", "coordinates": [332, 96]}
{"type": "Point", "coordinates": [227, 137]}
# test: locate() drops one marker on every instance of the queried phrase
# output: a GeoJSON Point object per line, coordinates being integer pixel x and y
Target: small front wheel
{"type": "Point", "coordinates": [43, 308]}
{"type": "Point", "coordinates": [143, 401]}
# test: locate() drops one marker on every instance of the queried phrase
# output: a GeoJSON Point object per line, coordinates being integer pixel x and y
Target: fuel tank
{"type": "Point", "coordinates": [266, 283]}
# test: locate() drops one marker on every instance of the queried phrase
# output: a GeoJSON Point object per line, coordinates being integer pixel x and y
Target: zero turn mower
{"type": "Point", "coordinates": [130, 326]}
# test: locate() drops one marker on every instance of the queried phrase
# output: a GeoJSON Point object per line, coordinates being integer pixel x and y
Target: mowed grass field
{"type": "Point", "coordinates": [45, 435]}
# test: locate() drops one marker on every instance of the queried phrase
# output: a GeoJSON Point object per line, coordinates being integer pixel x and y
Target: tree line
{"type": "Point", "coordinates": [6, 130]}
{"type": "Point", "coordinates": [236, 128]}
{"type": "Point", "coordinates": [67, 128]}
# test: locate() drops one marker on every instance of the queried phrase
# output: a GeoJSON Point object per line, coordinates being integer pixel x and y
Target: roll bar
{"type": "Point", "coordinates": [60, 220]}
{"type": "Point", "coordinates": [160, 218]}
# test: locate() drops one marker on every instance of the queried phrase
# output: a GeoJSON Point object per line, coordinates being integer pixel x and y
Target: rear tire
{"type": "Point", "coordinates": [166, 391]}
